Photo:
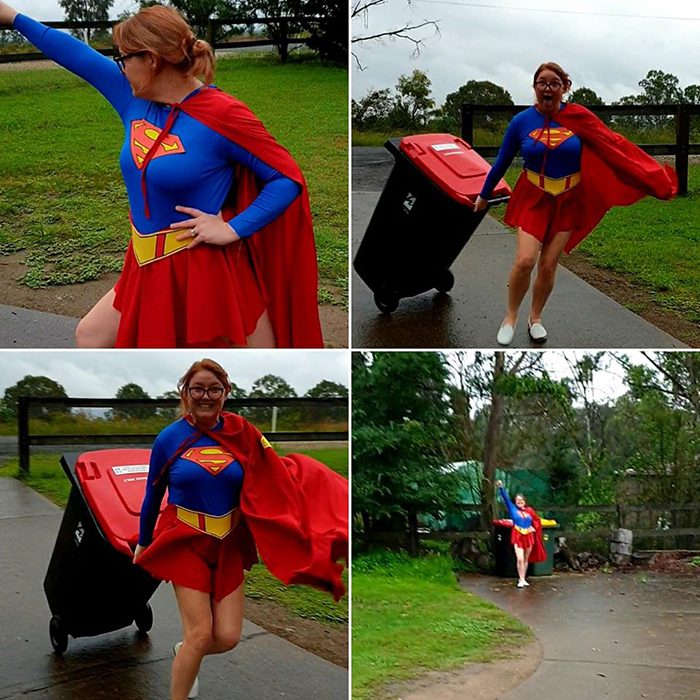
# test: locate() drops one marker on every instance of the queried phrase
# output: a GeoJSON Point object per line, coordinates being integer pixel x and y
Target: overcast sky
{"type": "Point", "coordinates": [606, 53]}
{"type": "Point", "coordinates": [51, 11]}
{"type": "Point", "coordinates": [98, 374]}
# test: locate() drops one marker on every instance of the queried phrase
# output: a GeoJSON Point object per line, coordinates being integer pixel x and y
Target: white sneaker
{"type": "Point", "coordinates": [194, 691]}
{"type": "Point", "coordinates": [525, 582]}
{"type": "Point", "coordinates": [522, 584]}
{"type": "Point", "coordinates": [506, 333]}
{"type": "Point", "coordinates": [537, 331]}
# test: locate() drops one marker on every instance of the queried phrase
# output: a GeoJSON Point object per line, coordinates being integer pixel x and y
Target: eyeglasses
{"type": "Point", "coordinates": [119, 60]}
{"type": "Point", "coordinates": [197, 392]}
{"type": "Point", "coordinates": [544, 84]}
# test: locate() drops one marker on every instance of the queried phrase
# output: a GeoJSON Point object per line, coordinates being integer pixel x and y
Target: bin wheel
{"type": "Point", "coordinates": [387, 300]}
{"type": "Point", "coordinates": [144, 618]}
{"type": "Point", "coordinates": [58, 635]}
{"type": "Point", "coordinates": [445, 282]}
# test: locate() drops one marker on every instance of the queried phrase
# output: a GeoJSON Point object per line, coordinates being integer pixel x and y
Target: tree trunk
{"type": "Point", "coordinates": [491, 446]}
{"type": "Point", "coordinates": [413, 539]}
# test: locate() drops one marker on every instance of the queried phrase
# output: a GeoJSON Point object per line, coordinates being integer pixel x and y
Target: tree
{"type": "Point", "coordinates": [165, 411]}
{"type": "Point", "coordinates": [281, 31]}
{"type": "Point", "coordinates": [585, 96]}
{"type": "Point", "coordinates": [268, 387]}
{"type": "Point", "coordinates": [132, 391]}
{"type": "Point", "coordinates": [329, 34]}
{"type": "Point", "coordinates": [360, 10]}
{"type": "Point", "coordinates": [657, 88]}
{"type": "Point", "coordinates": [326, 390]}
{"type": "Point", "coordinates": [86, 11]}
{"type": "Point", "coordinates": [199, 12]}
{"type": "Point", "coordinates": [413, 101]}
{"type": "Point", "coordinates": [402, 436]}
{"type": "Point", "coordinates": [373, 110]}
{"type": "Point", "coordinates": [479, 92]}
{"type": "Point", "coordinates": [40, 387]}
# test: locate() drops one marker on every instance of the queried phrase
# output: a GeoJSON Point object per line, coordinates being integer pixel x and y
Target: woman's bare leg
{"type": "Point", "coordinates": [227, 616]}
{"type": "Point", "coordinates": [546, 272]}
{"type": "Point", "coordinates": [526, 561]}
{"type": "Point", "coordinates": [264, 335]}
{"type": "Point", "coordinates": [520, 562]}
{"type": "Point", "coordinates": [98, 329]}
{"type": "Point", "coordinates": [519, 280]}
{"type": "Point", "coordinates": [196, 613]}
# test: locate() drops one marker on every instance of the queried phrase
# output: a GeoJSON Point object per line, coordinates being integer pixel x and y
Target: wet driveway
{"type": "Point", "coordinates": [621, 636]}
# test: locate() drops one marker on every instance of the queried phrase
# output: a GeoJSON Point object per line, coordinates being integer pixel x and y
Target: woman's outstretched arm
{"type": "Point", "coordinates": [74, 55]}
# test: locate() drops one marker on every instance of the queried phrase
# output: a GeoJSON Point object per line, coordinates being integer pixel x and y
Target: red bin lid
{"type": "Point", "coordinates": [114, 484]}
{"type": "Point", "coordinates": [452, 164]}
{"type": "Point", "coordinates": [504, 522]}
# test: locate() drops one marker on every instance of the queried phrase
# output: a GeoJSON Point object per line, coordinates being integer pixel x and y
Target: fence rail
{"type": "Point", "coordinates": [212, 24]}
{"type": "Point", "coordinates": [682, 149]}
{"type": "Point", "coordinates": [26, 439]}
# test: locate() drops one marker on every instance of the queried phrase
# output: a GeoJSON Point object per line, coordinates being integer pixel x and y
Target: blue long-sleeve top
{"type": "Point", "coordinates": [528, 133]}
{"type": "Point", "coordinates": [207, 482]}
{"type": "Point", "coordinates": [195, 165]}
{"type": "Point", "coordinates": [520, 519]}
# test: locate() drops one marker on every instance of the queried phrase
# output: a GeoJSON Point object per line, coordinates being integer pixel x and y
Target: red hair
{"type": "Point", "coordinates": [163, 32]}
{"type": "Point", "coordinates": [210, 366]}
{"type": "Point", "coordinates": [555, 68]}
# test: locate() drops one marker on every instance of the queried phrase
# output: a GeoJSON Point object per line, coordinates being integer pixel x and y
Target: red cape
{"type": "Point", "coordinates": [539, 553]}
{"type": "Point", "coordinates": [284, 251]}
{"type": "Point", "coordinates": [295, 507]}
{"type": "Point", "coordinates": [615, 172]}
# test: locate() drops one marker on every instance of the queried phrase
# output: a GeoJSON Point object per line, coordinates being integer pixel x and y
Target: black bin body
{"type": "Point", "coordinates": [92, 588]}
{"type": "Point", "coordinates": [416, 232]}
{"type": "Point", "coordinates": [504, 554]}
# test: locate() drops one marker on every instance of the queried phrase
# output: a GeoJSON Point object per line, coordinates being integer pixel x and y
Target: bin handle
{"type": "Point", "coordinates": [498, 200]}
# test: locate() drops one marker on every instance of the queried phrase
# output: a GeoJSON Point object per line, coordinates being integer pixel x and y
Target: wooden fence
{"type": "Point", "coordinates": [27, 439]}
{"type": "Point", "coordinates": [682, 149]}
{"type": "Point", "coordinates": [212, 24]}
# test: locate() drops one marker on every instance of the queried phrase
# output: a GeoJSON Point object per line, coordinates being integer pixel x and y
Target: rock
{"type": "Point", "coordinates": [620, 548]}
{"type": "Point", "coordinates": [622, 535]}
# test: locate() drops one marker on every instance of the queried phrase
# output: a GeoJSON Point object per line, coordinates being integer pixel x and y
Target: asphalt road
{"type": "Point", "coordinates": [577, 316]}
{"type": "Point", "coordinates": [620, 636]}
{"type": "Point", "coordinates": [122, 664]}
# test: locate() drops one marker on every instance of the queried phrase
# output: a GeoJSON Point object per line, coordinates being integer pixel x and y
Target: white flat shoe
{"type": "Point", "coordinates": [525, 582]}
{"type": "Point", "coordinates": [537, 331]}
{"type": "Point", "coordinates": [521, 584]}
{"type": "Point", "coordinates": [194, 691]}
{"type": "Point", "coordinates": [506, 333]}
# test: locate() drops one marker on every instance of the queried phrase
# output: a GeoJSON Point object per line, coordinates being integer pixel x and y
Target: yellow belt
{"type": "Point", "coordinates": [217, 526]}
{"type": "Point", "coordinates": [149, 247]}
{"type": "Point", "coordinates": [524, 530]}
{"type": "Point", "coordinates": [554, 186]}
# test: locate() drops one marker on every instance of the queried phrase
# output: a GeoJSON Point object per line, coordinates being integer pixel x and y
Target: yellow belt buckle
{"type": "Point", "coordinates": [551, 185]}
{"type": "Point", "coordinates": [216, 526]}
{"type": "Point", "coordinates": [146, 246]}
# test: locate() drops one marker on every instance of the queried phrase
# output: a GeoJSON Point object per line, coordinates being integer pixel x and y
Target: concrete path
{"type": "Point", "coordinates": [122, 664]}
{"type": "Point", "coordinates": [578, 315]}
{"type": "Point", "coordinates": [621, 636]}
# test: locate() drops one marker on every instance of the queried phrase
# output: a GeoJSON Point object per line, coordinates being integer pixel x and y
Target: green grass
{"type": "Point", "coordinates": [410, 616]}
{"type": "Point", "coordinates": [653, 243]}
{"type": "Point", "coordinates": [62, 199]}
{"type": "Point", "coordinates": [47, 477]}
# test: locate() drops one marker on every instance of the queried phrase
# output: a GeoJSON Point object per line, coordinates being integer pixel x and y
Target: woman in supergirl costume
{"type": "Point", "coordinates": [526, 535]}
{"type": "Point", "coordinates": [222, 249]}
{"type": "Point", "coordinates": [228, 495]}
{"type": "Point", "coordinates": [575, 169]}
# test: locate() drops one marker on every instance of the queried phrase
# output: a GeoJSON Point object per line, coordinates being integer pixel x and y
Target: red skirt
{"type": "Point", "coordinates": [518, 539]}
{"type": "Point", "coordinates": [542, 214]}
{"type": "Point", "coordinates": [204, 297]}
{"type": "Point", "coordinates": [193, 559]}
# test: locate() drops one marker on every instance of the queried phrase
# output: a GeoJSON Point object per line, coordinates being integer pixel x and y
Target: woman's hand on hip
{"type": "Point", "coordinates": [140, 549]}
{"type": "Point", "coordinates": [205, 228]}
{"type": "Point", "coordinates": [480, 204]}
{"type": "Point", "coordinates": [7, 14]}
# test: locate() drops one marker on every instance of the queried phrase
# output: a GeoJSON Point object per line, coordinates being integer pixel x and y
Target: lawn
{"type": "Point", "coordinates": [653, 243]}
{"type": "Point", "coordinates": [47, 477]}
{"type": "Point", "coordinates": [62, 199]}
{"type": "Point", "coordinates": [410, 617]}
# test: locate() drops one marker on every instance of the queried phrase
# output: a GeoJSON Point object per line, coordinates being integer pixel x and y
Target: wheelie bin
{"type": "Point", "coordinates": [504, 554]}
{"type": "Point", "coordinates": [92, 586]}
{"type": "Point", "coordinates": [424, 217]}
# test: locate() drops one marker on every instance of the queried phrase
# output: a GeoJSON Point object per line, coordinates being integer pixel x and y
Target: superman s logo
{"type": "Point", "coordinates": [142, 138]}
{"type": "Point", "coordinates": [213, 459]}
{"type": "Point", "coordinates": [557, 136]}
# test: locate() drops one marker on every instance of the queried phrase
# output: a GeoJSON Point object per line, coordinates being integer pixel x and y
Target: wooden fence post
{"type": "Point", "coordinates": [468, 124]}
{"type": "Point", "coordinates": [210, 33]}
{"type": "Point", "coordinates": [23, 434]}
{"type": "Point", "coordinates": [682, 146]}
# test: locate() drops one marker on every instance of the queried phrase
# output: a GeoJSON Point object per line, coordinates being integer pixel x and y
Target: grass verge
{"type": "Point", "coordinates": [62, 199]}
{"type": "Point", "coordinates": [47, 477]}
{"type": "Point", "coordinates": [410, 616]}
